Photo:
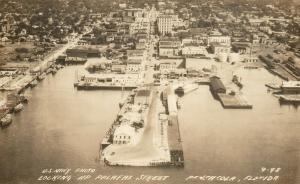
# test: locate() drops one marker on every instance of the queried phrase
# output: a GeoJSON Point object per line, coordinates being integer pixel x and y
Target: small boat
{"type": "Point", "coordinates": [237, 81]}
{"type": "Point", "coordinates": [42, 76]}
{"type": "Point", "coordinates": [179, 91]}
{"type": "Point", "coordinates": [178, 104]}
{"type": "Point", "coordinates": [232, 93]}
{"type": "Point", "coordinates": [59, 66]}
{"type": "Point", "coordinates": [23, 98]}
{"type": "Point", "coordinates": [48, 71]}
{"type": "Point", "coordinates": [18, 107]}
{"type": "Point", "coordinates": [33, 83]}
{"type": "Point", "coordinates": [251, 67]}
{"type": "Point", "coordinates": [53, 71]}
{"type": "Point", "coordinates": [6, 120]}
{"type": "Point", "coordinates": [273, 86]}
{"type": "Point", "coordinates": [206, 69]}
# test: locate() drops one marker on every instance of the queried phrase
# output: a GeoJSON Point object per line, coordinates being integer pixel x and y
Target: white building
{"type": "Point", "coordinates": [124, 134]}
{"type": "Point", "coordinates": [167, 65]}
{"type": "Point", "coordinates": [165, 24]}
{"type": "Point", "coordinates": [194, 50]}
{"type": "Point", "coordinates": [168, 51]}
{"type": "Point", "coordinates": [251, 59]}
{"type": "Point", "coordinates": [219, 39]}
{"type": "Point", "coordinates": [169, 47]}
{"type": "Point", "coordinates": [218, 48]}
{"type": "Point", "coordinates": [134, 65]}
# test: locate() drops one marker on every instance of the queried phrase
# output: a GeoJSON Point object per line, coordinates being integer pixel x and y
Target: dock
{"type": "Point", "coordinates": [203, 81]}
{"type": "Point", "coordinates": [104, 87]}
{"type": "Point", "coordinates": [173, 131]}
{"type": "Point", "coordinates": [174, 142]}
{"type": "Point", "coordinates": [233, 101]}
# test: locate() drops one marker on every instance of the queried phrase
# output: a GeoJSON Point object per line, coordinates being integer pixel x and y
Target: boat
{"type": "Point", "coordinates": [53, 71]}
{"type": "Point", "coordinates": [251, 67]}
{"type": "Point", "coordinates": [18, 107]}
{"type": "Point", "coordinates": [6, 120]}
{"type": "Point", "coordinates": [206, 69]}
{"type": "Point", "coordinates": [42, 76]}
{"type": "Point", "coordinates": [48, 71]}
{"type": "Point", "coordinates": [273, 86]}
{"type": "Point", "coordinates": [232, 93]}
{"type": "Point", "coordinates": [33, 83]}
{"type": "Point", "coordinates": [122, 102]}
{"type": "Point", "coordinates": [237, 81]}
{"type": "Point", "coordinates": [23, 98]}
{"type": "Point", "coordinates": [59, 66]}
{"type": "Point", "coordinates": [179, 91]}
{"type": "Point", "coordinates": [178, 104]}
{"type": "Point", "coordinates": [289, 99]}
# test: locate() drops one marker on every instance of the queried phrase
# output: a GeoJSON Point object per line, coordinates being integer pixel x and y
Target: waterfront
{"type": "Point", "coordinates": [216, 141]}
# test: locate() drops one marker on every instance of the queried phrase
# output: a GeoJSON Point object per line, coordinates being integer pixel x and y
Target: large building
{"type": "Point", "coordinates": [218, 48]}
{"type": "Point", "coordinates": [219, 39]}
{"type": "Point", "coordinates": [134, 65]}
{"type": "Point", "coordinates": [193, 50]}
{"type": "Point", "coordinates": [165, 24]}
{"type": "Point", "coordinates": [169, 47]}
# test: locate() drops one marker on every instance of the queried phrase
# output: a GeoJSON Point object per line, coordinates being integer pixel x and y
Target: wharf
{"type": "Point", "coordinates": [173, 131]}
{"type": "Point", "coordinates": [233, 101]}
{"type": "Point", "coordinates": [174, 142]}
{"type": "Point", "coordinates": [203, 81]}
{"type": "Point", "coordinates": [104, 87]}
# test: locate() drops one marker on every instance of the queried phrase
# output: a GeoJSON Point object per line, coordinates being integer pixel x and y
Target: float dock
{"type": "Point", "coordinates": [233, 101]}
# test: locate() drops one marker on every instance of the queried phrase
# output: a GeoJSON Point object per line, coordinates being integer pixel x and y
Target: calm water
{"type": "Point", "coordinates": [61, 128]}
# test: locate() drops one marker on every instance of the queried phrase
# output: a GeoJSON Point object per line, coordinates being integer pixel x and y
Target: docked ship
{"type": "Point", "coordinates": [18, 107]}
{"type": "Point", "coordinates": [6, 120]}
{"type": "Point", "coordinates": [53, 71]}
{"type": "Point", "coordinates": [290, 87]}
{"type": "Point", "coordinates": [273, 86]}
{"type": "Point", "coordinates": [33, 83]}
{"type": "Point", "coordinates": [107, 81]}
{"type": "Point", "coordinates": [237, 81]}
{"type": "Point", "coordinates": [289, 99]}
{"type": "Point", "coordinates": [42, 76]}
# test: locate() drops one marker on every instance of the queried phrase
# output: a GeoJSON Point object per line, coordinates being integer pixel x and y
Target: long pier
{"type": "Point", "coordinates": [160, 141]}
